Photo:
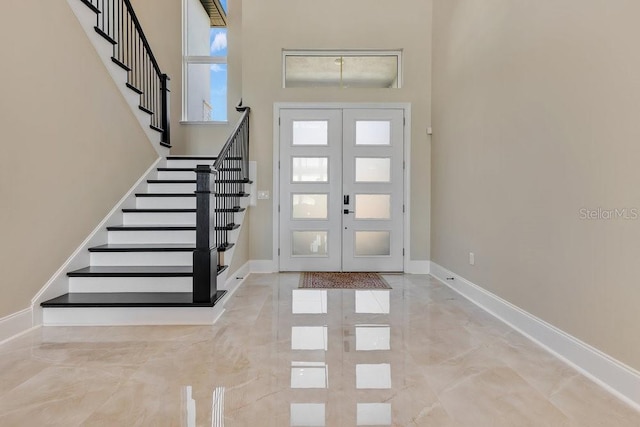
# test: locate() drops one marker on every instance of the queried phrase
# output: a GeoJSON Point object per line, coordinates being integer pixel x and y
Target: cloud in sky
{"type": "Point", "coordinates": [219, 42]}
{"type": "Point", "coordinates": [216, 68]}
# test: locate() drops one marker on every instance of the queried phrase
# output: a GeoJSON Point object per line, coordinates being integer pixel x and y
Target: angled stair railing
{"type": "Point", "coordinates": [219, 190]}
{"type": "Point", "coordinates": [118, 24]}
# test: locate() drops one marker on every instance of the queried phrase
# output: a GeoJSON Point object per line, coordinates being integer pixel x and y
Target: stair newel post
{"type": "Point", "coordinates": [205, 269]}
{"type": "Point", "coordinates": [166, 116]}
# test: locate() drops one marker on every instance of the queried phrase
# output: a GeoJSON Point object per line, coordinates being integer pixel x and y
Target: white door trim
{"type": "Point", "coordinates": [406, 106]}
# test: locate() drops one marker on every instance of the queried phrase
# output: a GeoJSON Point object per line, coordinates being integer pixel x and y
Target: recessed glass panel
{"type": "Point", "coordinates": [373, 243]}
{"type": "Point", "coordinates": [373, 414]}
{"type": "Point", "coordinates": [310, 132]}
{"type": "Point", "coordinates": [373, 206]}
{"type": "Point", "coordinates": [374, 376]}
{"type": "Point", "coordinates": [309, 243]}
{"type": "Point", "coordinates": [372, 302]}
{"type": "Point", "coordinates": [373, 132]}
{"type": "Point", "coordinates": [308, 415]}
{"type": "Point", "coordinates": [310, 169]}
{"type": "Point", "coordinates": [373, 169]}
{"type": "Point", "coordinates": [309, 206]}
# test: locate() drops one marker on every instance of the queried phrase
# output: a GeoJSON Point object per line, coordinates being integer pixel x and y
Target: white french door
{"type": "Point", "coordinates": [341, 189]}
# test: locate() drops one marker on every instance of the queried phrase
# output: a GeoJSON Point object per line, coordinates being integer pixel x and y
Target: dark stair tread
{"type": "Point", "coordinates": [146, 110]}
{"type": "Point", "coordinates": [214, 158]}
{"type": "Point", "coordinates": [234, 181]}
{"type": "Point", "coordinates": [154, 227]}
{"type": "Point", "coordinates": [120, 64]}
{"type": "Point", "coordinates": [160, 247]}
{"type": "Point", "coordinates": [222, 268]}
{"type": "Point", "coordinates": [133, 271]}
{"type": "Point", "coordinates": [165, 194]}
{"type": "Point", "coordinates": [90, 6]}
{"type": "Point", "coordinates": [156, 128]}
{"type": "Point", "coordinates": [158, 210]}
{"type": "Point", "coordinates": [227, 227]}
{"type": "Point", "coordinates": [241, 194]}
{"type": "Point", "coordinates": [225, 247]}
{"type": "Point", "coordinates": [171, 181]}
{"type": "Point", "coordinates": [229, 210]}
{"type": "Point", "coordinates": [106, 36]}
{"type": "Point", "coordinates": [135, 89]}
{"type": "Point", "coordinates": [177, 169]}
{"type": "Point", "coordinates": [130, 299]}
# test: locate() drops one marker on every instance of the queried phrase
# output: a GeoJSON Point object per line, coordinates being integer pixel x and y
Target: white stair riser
{"type": "Point", "coordinates": [166, 218]}
{"type": "Point", "coordinates": [143, 237]}
{"type": "Point", "coordinates": [176, 175]}
{"type": "Point", "coordinates": [166, 202]}
{"type": "Point", "coordinates": [130, 284]}
{"type": "Point", "coordinates": [182, 163]}
{"type": "Point", "coordinates": [131, 316]}
{"type": "Point", "coordinates": [170, 188]}
{"type": "Point", "coordinates": [141, 258]}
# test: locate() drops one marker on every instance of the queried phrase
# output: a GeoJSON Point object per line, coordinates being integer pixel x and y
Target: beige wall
{"type": "Point", "coordinates": [535, 118]}
{"type": "Point", "coordinates": [64, 164]}
{"type": "Point", "coordinates": [270, 26]}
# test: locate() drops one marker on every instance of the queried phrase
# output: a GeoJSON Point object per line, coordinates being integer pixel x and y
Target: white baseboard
{"type": "Point", "coordinates": [417, 267]}
{"type": "Point", "coordinates": [616, 377]}
{"type": "Point", "coordinates": [263, 266]}
{"type": "Point", "coordinates": [15, 324]}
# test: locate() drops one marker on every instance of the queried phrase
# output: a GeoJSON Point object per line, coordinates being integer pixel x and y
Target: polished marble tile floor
{"type": "Point", "coordinates": [417, 355]}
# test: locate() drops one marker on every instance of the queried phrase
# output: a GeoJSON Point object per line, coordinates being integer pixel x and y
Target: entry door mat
{"type": "Point", "coordinates": [334, 280]}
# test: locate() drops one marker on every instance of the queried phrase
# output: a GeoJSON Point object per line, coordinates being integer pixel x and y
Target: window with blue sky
{"type": "Point", "coordinates": [205, 66]}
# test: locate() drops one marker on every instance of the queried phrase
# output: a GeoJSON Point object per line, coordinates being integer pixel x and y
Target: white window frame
{"type": "Point", "coordinates": [347, 52]}
{"type": "Point", "coordinates": [186, 60]}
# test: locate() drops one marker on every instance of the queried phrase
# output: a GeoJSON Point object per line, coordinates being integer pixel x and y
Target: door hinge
{"type": "Point", "coordinates": [278, 251]}
{"type": "Point", "coordinates": [278, 164]}
{"type": "Point", "coordinates": [279, 121]}
{"type": "Point", "coordinates": [402, 251]}
{"type": "Point", "coordinates": [279, 209]}
{"type": "Point", "coordinates": [404, 164]}
{"type": "Point", "coordinates": [404, 121]}
{"type": "Point", "coordinates": [403, 211]}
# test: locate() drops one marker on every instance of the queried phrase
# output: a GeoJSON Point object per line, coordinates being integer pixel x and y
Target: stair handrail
{"type": "Point", "coordinates": [219, 189]}
{"type": "Point", "coordinates": [118, 22]}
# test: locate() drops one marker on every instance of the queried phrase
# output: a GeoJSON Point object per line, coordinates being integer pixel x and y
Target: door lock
{"type": "Point", "coordinates": [347, 211]}
{"type": "Point", "coordinates": [346, 199]}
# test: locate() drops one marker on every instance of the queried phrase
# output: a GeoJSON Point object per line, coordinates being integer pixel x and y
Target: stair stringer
{"type": "Point", "coordinates": [58, 284]}
{"type": "Point", "coordinates": [87, 19]}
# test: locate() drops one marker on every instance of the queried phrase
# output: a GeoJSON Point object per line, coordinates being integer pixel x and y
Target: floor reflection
{"type": "Point", "coordinates": [356, 346]}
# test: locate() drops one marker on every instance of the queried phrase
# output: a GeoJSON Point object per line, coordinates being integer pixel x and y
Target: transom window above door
{"type": "Point", "coordinates": [343, 69]}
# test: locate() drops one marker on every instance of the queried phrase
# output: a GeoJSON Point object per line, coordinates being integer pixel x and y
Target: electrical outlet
{"type": "Point", "coordinates": [263, 195]}
{"type": "Point", "coordinates": [472, 258]}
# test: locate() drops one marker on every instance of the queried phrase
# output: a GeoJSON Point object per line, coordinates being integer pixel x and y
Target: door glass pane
{"type": "Point", "coordinates": [310, 132]}
{"type": "Point", "coordinates": [310, 169]}
{"type": "Point", "coordinates": [373, 414]}
{"type": "Point", "coordinates": [309, 206]}
{"type": "Point", "coordinates": [373, 206]}
{"type": "Point", "coordinates": [373, 243]}
{"type": "Point", "coordinates": [309, 243]}
{"type": "Point", "coordinates": [373, 169]}
{"type": "Point", "coordinates": [373, 132]}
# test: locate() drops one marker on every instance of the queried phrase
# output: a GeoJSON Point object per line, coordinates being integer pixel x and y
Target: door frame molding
{"type": "Point", "coordinates": [406, 106]}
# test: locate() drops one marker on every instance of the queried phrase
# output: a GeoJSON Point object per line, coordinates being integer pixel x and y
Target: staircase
{"type": "Point", "coordinates": [163, 263]}
{"type": "Point", "coordinates": [147, 264]}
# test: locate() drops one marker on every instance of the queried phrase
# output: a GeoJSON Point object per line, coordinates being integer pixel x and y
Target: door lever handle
{"type": "Point", "coordinates": [347, 211]}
